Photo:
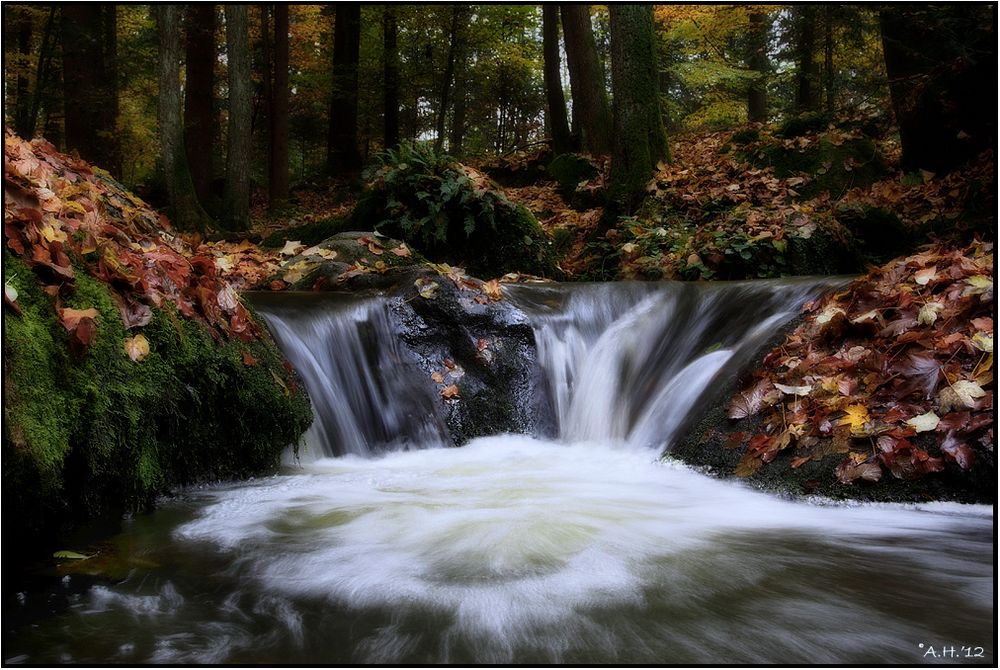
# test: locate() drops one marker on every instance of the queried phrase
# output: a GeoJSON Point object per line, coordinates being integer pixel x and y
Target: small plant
{"type": "Point", "coordinates": [430, 196]}
{"type": "Point", "coordinates": [451, 212]}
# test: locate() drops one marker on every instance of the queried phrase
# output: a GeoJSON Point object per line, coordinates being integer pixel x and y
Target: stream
{"type": "Point", "coordinates": [381, 543]}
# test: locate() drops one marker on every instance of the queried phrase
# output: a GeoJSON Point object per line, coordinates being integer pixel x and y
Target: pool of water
{"type": "Point", "coordinates": [516, 550]}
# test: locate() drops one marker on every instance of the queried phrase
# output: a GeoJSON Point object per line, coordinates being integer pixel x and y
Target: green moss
{"type": "Point", "coordinates": [94, 432]}
{"type": "Point", "coordinates": [308, 234]}
{"type": "Point", "coordinates": [569, 170]}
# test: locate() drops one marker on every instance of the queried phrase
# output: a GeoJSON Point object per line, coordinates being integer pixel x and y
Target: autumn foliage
{"type": "Point", "coordinates": [894, 374]}
{"type": "Point", "coordinates": [61, 214]}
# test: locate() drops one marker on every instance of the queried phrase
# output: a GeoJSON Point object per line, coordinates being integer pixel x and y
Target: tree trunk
{"type": "Point", "coordinates": [22, 101]}
{"type": "Point", "coordinates": [806, 76]}
{"type": "Point", "coordinates": [941, 62]}
{"type": "Point", "coordinates": [457, 136]}
{"type": "Point", "coordinates": [42, 76]}
{"type": "Point", "coordinates": [828, 72]}
{"type": "Point", "coordinates": [390, 131]}
{"type": "Point", "coordinates": [278, 172]}
{"type": "Point", "coordinates": [342, 147]}
{"type": "Point", "coordinates": [449, 75]}
{"type": "Point", "coordinates": [199, 95]}
{"type": "Point", "coordinates": [236, 199]}
{"type": "Point", "coordinates": [758, 63]}
{"type": "Point", "coordinates": [586, 75]}
{"type": "Point", "coordinates": [555, 101]}
{"type": "Point", "coordinates": [640, 141]}
{"type": "Point", "coordinates": [90, 82]}
{"type": "Point", "coordinates": [188, 214]}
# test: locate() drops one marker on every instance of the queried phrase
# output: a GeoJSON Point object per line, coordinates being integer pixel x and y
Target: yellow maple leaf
{"type": "Point", "coordinates": [855, 416]}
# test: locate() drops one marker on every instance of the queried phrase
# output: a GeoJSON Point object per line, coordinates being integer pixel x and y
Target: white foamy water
{"type": "Point", "coordinates": [523, 549]}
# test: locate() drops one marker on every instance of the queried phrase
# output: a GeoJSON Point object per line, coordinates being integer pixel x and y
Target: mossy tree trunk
{"type": "Point", "coordinates": [941, 63]}
{"type": "Point", "coordinates": [188, 213]}
{"type": "Point", "coordinates": [555, 101]}
{"type": "Point", "coordinates": [758, 62]}
{"type": "Point", "coordinates": [236, 199]}
{"type": "Point", "coordinates": [639, 139]}
{"type": "Point", "coordinates": [586, 75]}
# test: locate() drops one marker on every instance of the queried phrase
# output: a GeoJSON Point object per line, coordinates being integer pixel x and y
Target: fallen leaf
{"type": "Point", "coordinates": [437, 377]}
{"type": "Point", "coordinates": [923, 277]}
{"type": "Point", "coordinates": [793, 390]}
{"type": "Point", "coordinates": [248, 359]}
{"type": "Point", "coordinates": [137, 347]}
{"type": "Point", "coordinates": [291, 247]}
{"type": "Point", "coordinates": [924, 422]}
{"type": "Point", "coordinates": [450, 392]}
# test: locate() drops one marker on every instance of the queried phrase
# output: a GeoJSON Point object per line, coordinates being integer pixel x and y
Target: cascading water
{"type": "Point", "coordinates": [573, 545]}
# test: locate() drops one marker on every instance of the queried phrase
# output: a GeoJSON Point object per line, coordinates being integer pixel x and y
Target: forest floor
{"type": "Point", "coordinates": [895, 373]}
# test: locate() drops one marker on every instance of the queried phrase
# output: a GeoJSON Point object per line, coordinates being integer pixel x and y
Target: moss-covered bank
{"type": "Point", "coordinates": [93, 433]}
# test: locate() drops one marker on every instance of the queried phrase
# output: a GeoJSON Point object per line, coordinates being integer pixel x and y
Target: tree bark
{"type": "Point", "coordinates": [555, 101]}
{"type": "Point", "coordinates": [586, 74]}
{"type": "Point", "coordinates": [278, 172]}
{"type": "Point", "coordinates": [342, 146]}
{"type": "Point", "coordinates": [828, 72]}
{"type": "Point", "coordinates": [236, 198]}
{"type": "Point", "coordinates": [390, 131]}
{"type": "Point", "coordinates": [22, 101]}
{"type": "Point", "coordinates": [449, 75]}
{"type": "Point", "coordinates": [42, 76]}
{"type": "Point", "coordinates": [941, 61]}
{"type": "Point", "coordinates": [188, 213]}
{"type": "Point", "coordinates": [806, 76]}
{"type": "Point", "coordinates": [640, 141]}
{"type": "Point", "coordinates": [758, 63]}
{"type": "Point", "coordinates": [90, 78]}
{"type": "Point", "coordinates": [200, 121]}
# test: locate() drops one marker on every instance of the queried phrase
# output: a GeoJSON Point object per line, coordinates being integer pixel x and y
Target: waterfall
{"type": "Point", "coordinates": [623, 363]}
{"type": "Point", "coordinates": [629, 362]}
{"type": "Point", "coordinates": [366, 393]}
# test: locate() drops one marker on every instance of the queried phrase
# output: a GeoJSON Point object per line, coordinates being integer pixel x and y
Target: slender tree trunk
{"type": "Point", "coordinates": [342, 146]}
{"type": "Point", "coordinates": [390, 132]}
{"type": "Point", "coordinates": [278, 173]}
{"type": "Point", "coordinates": [640, 141]}
{"type": "Point", "coordinates": [806, 77]}
{"type": "Point", "coordinates": [188, 214]}
{"type": "Point", "coordinates": [555, 101]}
{"type": "Point", "coordinates": [22, 101]}
{"type": "Point", "coordinates": [236, 199]}
{"type": "Point", "coordinates": [758, 63]}
{"type": "Point", "coordinates": [42, 75]}
{"type": "Point", "coordinates": [590, 97]}
{"type": "Point", "coordinates": [90, 81]}
{"type": "Point", "coordinates": [456, 137]}
{"type": "Point", "coordinates": [828, 72]}
{"type": "Point", "coordinates": [200, 120]}
{"type": "Point", "coordinates": [449, 75]}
